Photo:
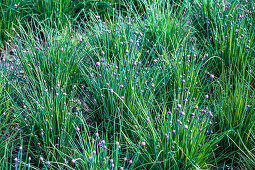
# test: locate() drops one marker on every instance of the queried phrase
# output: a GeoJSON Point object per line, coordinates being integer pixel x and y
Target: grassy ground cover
{"type": "Point", "coordinates": [127, 84]}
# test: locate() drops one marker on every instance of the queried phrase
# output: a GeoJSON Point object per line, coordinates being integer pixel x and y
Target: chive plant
{"type": "Point", "coordinates": [127, 84]}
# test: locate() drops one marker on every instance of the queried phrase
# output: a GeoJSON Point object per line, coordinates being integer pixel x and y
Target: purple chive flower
{"type": "Point", "coordinates": [96, 134]}
{"type": "Point", "coordinates": [179, 106]}
{"type": "Point", "coordinates": [122, 97]}
{"type": "Point", "coordinates": [61, 49]}
{"type": "Point", "coordinates": [111, 160]}
{"type": "Point", "coordinates": [121, 86]}
{"type": "Point", "coordinates": [185, 126]}
{"type": "Point", "coordinates": [152, 85]}
{"type": "Point", "coordinates": [192, 114]}
{"type": "Point", "coordinates": [117, 143]}
{"type": "Point", "coordinates": [211, 76]}
{"type": "Point", "coordinates": [94, 152]}
{"type": "Point", "coordinates": [90, 158]}
{"type": "Point", "coordinates": [126, 51]}
{"type": "Point", "coordinates": [196, 107]}
{"type": "Point", "coordinates": [73, 161]}
{"type": "Point", "coordinates": [97, 64]}
{"type": "Point", "coordinates": [130, 161]}
{"type": "Point", "coordinates": [41, 158]}
{"type": "Point", "coordinates": [77, 129]}
{"type": "Point", "coordinates": [111, 90]}
{"type": "Point", "coordinates": [174, 142]}
{"type": "Point", "coordinates": [48, 163]}
{"type": "Point", "coordinates": [199, 145]}
{"type": "Point", "coordinates": [206, 96]}
{"type": "Point", "coordinates": [143, 143]}
{"type": "Point", "coordinates": [103, 53]}
{"type": "Point", "coordinates": [172, 147]}
{"type": "Point", "coordinates": [166, 135]}
{"type": "Point", "coordinates": [173, 131]}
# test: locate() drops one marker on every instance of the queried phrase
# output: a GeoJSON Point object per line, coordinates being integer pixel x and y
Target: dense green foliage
{"type": "Point", "coordinates": [127, 84]}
